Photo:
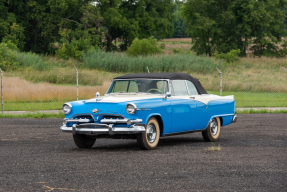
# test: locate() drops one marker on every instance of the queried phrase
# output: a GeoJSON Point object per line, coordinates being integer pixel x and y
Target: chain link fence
{"type": "Point", "coordinates": [253, 90]}
{"type": "Point", "coordinates": [30, 91]}
{"type": "Point", "coordinates": [48, 91]}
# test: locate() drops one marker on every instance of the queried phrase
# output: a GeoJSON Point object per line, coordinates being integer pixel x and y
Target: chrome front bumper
{"type": "Point", "coordinates": [96, 129]}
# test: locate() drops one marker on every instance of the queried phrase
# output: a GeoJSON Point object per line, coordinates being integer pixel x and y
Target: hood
{"type": "Point", "coordinates": [117, 98]}
{"type": "Point", "coordinates": [112, 104]}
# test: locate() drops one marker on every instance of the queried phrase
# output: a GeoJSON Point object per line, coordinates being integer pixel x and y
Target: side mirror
{"type": "Point", "coordinates": [168, 94]}
{"type": "Point", "coordinates": [97, 94]}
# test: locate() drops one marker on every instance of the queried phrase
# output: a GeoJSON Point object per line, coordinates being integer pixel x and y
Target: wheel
{"type": "Point", "coordinates": [149, 139]}
{"type": "Point", "coordinates": [82, 141]}
{"type": "Point", "coordinates": [213, 130]}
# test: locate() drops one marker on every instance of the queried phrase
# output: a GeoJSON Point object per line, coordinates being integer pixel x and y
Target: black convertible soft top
{"type": "Point", "coordinates": [172, 76]}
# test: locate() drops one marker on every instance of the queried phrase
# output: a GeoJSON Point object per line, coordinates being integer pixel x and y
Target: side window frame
{"type": "Point", "coordinates": [188, 88]}
{"type": "Point", "coordinates": [172, 88]}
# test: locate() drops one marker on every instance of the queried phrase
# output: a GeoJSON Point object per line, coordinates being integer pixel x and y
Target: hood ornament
{"type": "Point", "coordinates": [95, 110]}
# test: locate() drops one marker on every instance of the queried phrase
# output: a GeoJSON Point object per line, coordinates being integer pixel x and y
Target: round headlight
{"type": "Point", "coordinates": [131, 108]}
{"type": "Point", "coordinates": [66, 108]}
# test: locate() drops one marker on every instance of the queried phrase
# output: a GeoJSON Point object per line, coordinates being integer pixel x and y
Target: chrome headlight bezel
{"type": "Point", "coordinates": [67, 108]}
{"type": "Point", "coordinates": [131, 108]}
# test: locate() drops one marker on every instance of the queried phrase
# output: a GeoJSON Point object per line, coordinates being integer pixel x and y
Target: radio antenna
{"type": "Point", "coordinates": [147, 70]}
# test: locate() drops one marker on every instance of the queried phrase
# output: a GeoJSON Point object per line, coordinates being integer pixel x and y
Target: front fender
{"type": "Point", "coordinates": [151, 115]}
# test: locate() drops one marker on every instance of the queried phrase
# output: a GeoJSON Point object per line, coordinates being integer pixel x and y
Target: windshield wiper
{"type": "Point", "coordinates": [117, 92]}
{"type": "Point", "coordinates": [138, 92]}
{"type": "Point", "coordinates": [129, 92]}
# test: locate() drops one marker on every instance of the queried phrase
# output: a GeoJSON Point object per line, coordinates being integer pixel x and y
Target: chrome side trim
{"type": "Point", "coordinates": [184, 132]}
{"type": "Point", "coordinates": [222, 115]}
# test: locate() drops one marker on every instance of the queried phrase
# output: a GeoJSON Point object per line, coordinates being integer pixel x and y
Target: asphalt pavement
{"type": "Point", "coordinates": [36, 156]}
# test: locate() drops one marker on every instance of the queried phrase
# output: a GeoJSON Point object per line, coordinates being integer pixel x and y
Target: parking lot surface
{"type": "Point", "coordinates": [36, 156]}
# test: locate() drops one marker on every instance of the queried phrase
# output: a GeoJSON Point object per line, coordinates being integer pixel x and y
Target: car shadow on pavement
{"type": "Point", "coordinates": [131, 145]}
{"type": "Point", "coordinates": [172, 141]}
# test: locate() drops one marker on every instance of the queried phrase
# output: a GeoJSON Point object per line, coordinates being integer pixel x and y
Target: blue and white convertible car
{"type": "Point", "coordinates": [146, 107]}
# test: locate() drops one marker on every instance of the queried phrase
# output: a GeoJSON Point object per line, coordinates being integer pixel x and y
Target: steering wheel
{"type": "Point", "coordinates": [154, 89]}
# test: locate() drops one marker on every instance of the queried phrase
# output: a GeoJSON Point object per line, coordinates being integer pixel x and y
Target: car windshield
{"type": "Point", "coordinates": [139, 86]}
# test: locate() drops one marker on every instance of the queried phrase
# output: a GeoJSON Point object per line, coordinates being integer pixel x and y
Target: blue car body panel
{"type": "Point", "coordinates": [177, 115]}
{"type": "Point", "coordinates": [146, 106]}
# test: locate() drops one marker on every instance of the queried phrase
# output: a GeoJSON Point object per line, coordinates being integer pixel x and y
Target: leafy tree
{"type": "Point", "coordinates": [15, 33]}
{"type": "Point", "coordinates": [10, 30]}
{"type": "Point", "coordinates": [126, 20]}
{"type": "Point", "coordinates": [4, 25]}
{"type": "Point", "coordinates": [118, 26]}
{"type": "Point", "coordinates": [180, 28]}
{"type": "Point", "coordinates": [41, 20]}
{"type": "Point", "coordinates": [155, 18]}
{"type": "Point", "coordinates": [201, 24]}
{"type": "Point", "coordinates": [143, 47]}
{"type": "Point", "coordinates": [229, 57]}
{"type": "Point", "coordinates": [177, 50]}
{"type": "Point", "coordinates": [226, 25]}
{"type": "Point", "coordinates": [7, 56]}
{"type": "Point", "coordinates": [37, 25]}
{"type": "Point", "coordinates": [87, 35]}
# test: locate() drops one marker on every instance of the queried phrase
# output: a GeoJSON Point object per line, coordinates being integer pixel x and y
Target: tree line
{"type": "Point", "coordinates": [255, 25]}
{"type": "Point", "coordinates": [68, 27]}
{"type": "Point", "coordinates": [34, 25]}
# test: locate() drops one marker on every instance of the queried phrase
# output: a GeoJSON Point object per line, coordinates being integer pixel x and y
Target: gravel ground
{"type": "Point", "coordinates": [36, 156]}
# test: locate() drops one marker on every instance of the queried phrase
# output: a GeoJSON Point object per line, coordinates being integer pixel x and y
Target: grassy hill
{"type": "Point", "coordinates": [49, 81]}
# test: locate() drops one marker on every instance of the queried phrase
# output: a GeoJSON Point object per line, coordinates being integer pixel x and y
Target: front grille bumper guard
{"type": "Point", "coordinates": [113, 121]}
{"type": "Point", "coordinates": [105, 127]}
{"type": "Point", "coordinates": [96, 129]}
{"type": "Point", "coordinates": [234, 119]}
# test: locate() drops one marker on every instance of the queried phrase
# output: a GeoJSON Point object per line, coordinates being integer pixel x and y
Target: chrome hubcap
{"type": "Point", "coordinates": [214, 127]}
{"type": "Point", "coordinates": [151, 133]}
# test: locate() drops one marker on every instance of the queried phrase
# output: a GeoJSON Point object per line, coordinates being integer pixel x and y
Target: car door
{"type": "Point", "coordinates": [184, 113]}
{"type": "Point", "coordinates": [201, 110]}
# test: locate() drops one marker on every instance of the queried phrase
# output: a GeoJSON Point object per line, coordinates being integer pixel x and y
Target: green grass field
{"type": "Point", "coordinates": [46, 82]}
{"type": "Point", "coordinates": [243, 99]}
{"type": "Point", "coordinates": [34, 115]}
{"type": "Point", "coordinates": [33, 106]}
